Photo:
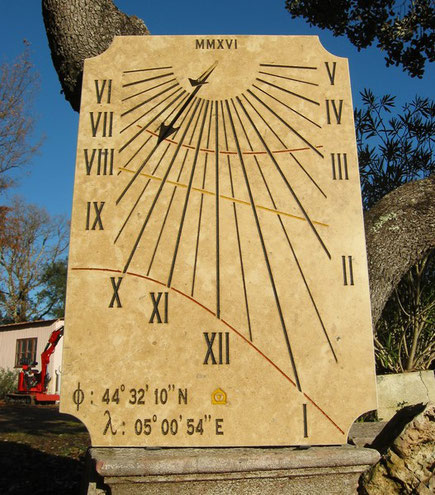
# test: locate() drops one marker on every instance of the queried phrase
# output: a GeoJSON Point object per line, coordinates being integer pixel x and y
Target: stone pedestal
{"type": "Point", "coordinates": [315, 470]}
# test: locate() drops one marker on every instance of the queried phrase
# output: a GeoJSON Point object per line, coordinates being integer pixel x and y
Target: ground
{"type": "Point", "coordinates": [41, 451]}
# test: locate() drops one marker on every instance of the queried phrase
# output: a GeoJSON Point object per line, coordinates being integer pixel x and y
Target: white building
{"type": "Point", "coordinates": [28, 340]}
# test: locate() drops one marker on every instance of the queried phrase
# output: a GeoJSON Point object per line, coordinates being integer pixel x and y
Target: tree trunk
{"type": "Point", "coordinates": [79, 29]}
{"type": "Point", "coordinates": [400, 231]}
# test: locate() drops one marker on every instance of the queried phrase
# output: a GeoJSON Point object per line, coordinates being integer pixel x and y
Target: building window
{"type": "Point", "coordinates": [26, 351]}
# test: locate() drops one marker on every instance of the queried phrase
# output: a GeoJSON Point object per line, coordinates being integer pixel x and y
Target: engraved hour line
{"type": "Point", "coordinates": [156, 197]}
{"type": "Point", "coordinates": [304, 412]}
{"type": "Point", "coordinates": [230, 198]}
{"type": "Point", "coordinates": [236, 222]}
{"type": "Point", "coordinates": [146, 185]}
{"type": "Point", "coordinates": [313, 228]}
{"type": "Point", "coordinates": [346, 280]}
{"type": "Point", "coordinates": [173, 194]}
{"type": "Point", "coordinates": [171, 200]}
{"type": "Point", "coordinates": [282, 142]}
{"type": "Point", "coordinates": [138, 171]}
{"type": "Point", "coordinates": [201, 203]}
{"type": "Point", "coordinates": [140, 81]}
{"type": "Point", "coordinates": [288, 78]}
{"type": "Point", "coordinates": [148, 89]}
{"type": "Point", "coordinates": [288, 91]}
{"type": "Point", "coordinates": [145, 127]}
{"type": "Point", "coordinates": [263, 245]}
{"type": "Point", "coordinates": [151, 135]}
{"type": "Point", "coordinates": [183, 216]}
{"type": "Point", "coordinates": [288, 241]}
{"type": "Point", "coordinates": [151, 98]}
{"type": "Point", "coordinates": [287, 106]}
{"type": "Point", "coordinates": [239, 334]}
{"type": "Point", "coordinates": [289, 66]}
{"type": "Point", "coordinates": [147, 69]}
{"type": "Point", "coordinates": [286, 124]}
{"type": "Point", "coordinates": [218, 296]}
{"type": "Point", "coordinates": [180, 92]}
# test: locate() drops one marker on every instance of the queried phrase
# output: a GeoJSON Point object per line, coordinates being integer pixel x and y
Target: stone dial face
{"type": "Point", "coordinates": [217, 288]}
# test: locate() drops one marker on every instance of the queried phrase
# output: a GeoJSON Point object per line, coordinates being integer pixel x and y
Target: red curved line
{"type": "Point", "coordinates": [225, 152]}
{"type": "Point", "coordinates": [225, 323]}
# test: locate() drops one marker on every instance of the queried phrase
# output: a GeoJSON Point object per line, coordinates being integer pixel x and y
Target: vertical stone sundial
{"type": "Point", "coordinates": [217, 288]}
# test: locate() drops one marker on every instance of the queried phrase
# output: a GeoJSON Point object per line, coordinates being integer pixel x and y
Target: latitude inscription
{"type": "Point", "coordinates": [217, 286]}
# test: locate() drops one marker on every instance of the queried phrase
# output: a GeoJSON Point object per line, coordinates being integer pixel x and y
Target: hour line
{"type": "Point", "coordinates": [140, 195]}
{"type": "Point", "coordinates": [302, 97]}
{"type": "Point", "coordinates": [287, 106]}
{"type": "Point", "coordinates": [173, 193]}
{"type": "Point", "coordinates": [149, 176]}
{"type": "Point", "coordinates": [218, 294]}
{"type": "Point", "coordinates": [180, 93]}
{"type": "Point", "coordinates": [229, 198]}
{"type": "Point", "coordinates": [151, 98]}
{"type": "Point", "coordinates": [156, 197]}
{"type": "Point", "coordinates": [284, 178]}
{"type": "Point", "coordinates": [286, 123]}
{"type": "Point", "coordinates": [289, 66]}
{"type": "Point", "coordinates": [138, 171]}
{"type": "Point", "coordinates": [146, 70]}
{"type": "Point", "coordinates": [288, 239]}
{"type": "Point", "coordinates": [288, 78]}
{"type": "Point", "coordinates": [263, 245]}
{"type": "Point", "coordinates": [148, 89]}
{"type": "Point", "coordinates": [204, 175]}
{"type": "Point", "coordinates": [285, 146]}
{"type": "Point", "coordinates": [192, 174]}
{"type": "Point", "coordinates": [147, 79]}
{"type": "Point", "coordinates": [236, 222]}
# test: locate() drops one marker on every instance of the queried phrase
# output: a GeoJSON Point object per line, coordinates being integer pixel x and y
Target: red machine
{"type": "Point", "coordinates": [32, 384]}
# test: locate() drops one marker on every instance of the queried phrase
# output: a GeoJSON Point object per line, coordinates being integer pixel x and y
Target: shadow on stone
{"type": "Point", "coordinates": [25, 470]}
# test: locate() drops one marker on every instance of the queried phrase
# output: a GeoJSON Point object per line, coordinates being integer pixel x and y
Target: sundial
{"type": "Point", "coordinates": [217, 286]}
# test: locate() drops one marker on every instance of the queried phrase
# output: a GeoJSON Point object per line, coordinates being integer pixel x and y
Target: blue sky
{"type": "Point", "coordinates": [50, 177]}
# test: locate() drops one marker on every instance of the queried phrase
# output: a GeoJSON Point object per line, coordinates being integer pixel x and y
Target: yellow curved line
{"type": "Point", "coordinates": [222, 196]}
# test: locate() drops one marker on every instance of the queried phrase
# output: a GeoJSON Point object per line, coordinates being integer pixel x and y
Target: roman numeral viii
{"type": "Point", "coordinates": [99, 161]}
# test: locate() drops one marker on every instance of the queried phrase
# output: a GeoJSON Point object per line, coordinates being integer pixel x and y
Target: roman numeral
{"type": "Point", "coordinates": [102, 157]}
{"type": "Point", "coordinates": [339, 166]}
{"type": "Point", "coordinates": [116, 283]}
{"type": "Point", "coordinates": [347, 270]}
{"type": "Point", "coordinates": [223, 344]}
{"type": "Point", "coordinates": [93, 215]}
{"type": "Point", "coordinates": [331, 73]}
{"type": "Point", "coordinates": [103, 89]}
{"type": "Point", "coordinates": [304, 412]}
{"type": "Point", "coordinates": [336, 111]}
{"type": "Point", "coordinates": [156, 312]}
{"type": "Point", "coordinates": [101, 123]}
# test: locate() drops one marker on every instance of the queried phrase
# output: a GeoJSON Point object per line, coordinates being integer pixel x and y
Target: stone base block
{"type": "Point", "coordinates": [316, 470]}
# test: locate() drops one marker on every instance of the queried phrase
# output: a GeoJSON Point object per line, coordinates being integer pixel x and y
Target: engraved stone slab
{"type": "Point", "coordinates": [217, 289]}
